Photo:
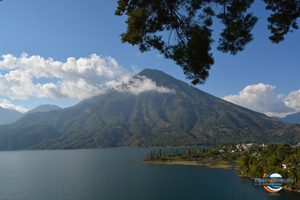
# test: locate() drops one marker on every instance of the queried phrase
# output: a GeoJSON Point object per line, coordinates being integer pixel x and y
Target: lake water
{"type": "Point", "coordinates": [112, 174]}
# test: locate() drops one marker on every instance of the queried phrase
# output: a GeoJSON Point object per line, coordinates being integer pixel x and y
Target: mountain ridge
{"type": "Point", "coordinates": [44, 108]}
{"type": "Point", "coordinates": [185, 117]}
{"type": "Point", "coordinates": [40, 108]}
{"type": "Point", "coordinates": [7, 115]}
{"type": "Point", "coordinates": [291, 119]}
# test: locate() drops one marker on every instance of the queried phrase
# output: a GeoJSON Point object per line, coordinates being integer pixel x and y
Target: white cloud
{"type": "Point", "coordinates": [4, 103]}
{"type": "Point", "coordinates": [261, 98]}
{"type": "Point", "coordinates": [81, 78]}
{"type": "Point", "coordinates": [139, 84]}
{"type": "Point", "coordinates": [159, 55]}
{"type": "Point", "coordinates": [135, 69]}
{"type": "Point", "coordinates": [51, 90]}
{"type": "Point", "coordinates": [293, 100]}
{"type": "Point", "coordinates": [281, 115]}
{"type": "Point", "coordinates": [280, 96]}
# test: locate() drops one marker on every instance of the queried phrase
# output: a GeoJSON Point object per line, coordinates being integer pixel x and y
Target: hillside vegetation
{"type": "Point", "coordinates": [185, 117]}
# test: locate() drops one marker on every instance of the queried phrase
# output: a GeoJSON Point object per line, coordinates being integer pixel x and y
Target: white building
{"type": "Point", "coordinates": [286, 166]}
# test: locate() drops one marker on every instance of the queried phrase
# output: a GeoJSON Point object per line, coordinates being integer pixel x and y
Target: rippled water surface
{"type": "Point", "coordinates": [112, 174]}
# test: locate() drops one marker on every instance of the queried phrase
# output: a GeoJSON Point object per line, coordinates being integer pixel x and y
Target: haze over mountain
{"type": "Point", "coordinates": [11, 116]}
{"type": "Point", "coordinates": [152, 109]}
{"type": "Point", "coordinates": [7, 115]}
{"type": "Point", "coordinates": [291, 119]}
{"type": "Point", "coordinates": [44, 108]}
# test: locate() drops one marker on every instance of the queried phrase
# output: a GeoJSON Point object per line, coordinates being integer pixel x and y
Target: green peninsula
{"type": "Point", "coordinates": [208, 158]}
{"type": "Point", "coordinates": [250, 160]}
{"type": "Point", "coordinates": [202, 163]}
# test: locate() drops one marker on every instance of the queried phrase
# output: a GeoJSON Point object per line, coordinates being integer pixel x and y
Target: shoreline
{"type": "Point", "coordinates": [209, 164]}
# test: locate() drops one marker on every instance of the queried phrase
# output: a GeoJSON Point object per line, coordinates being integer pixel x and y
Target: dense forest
{"type": "Point", "coordinates": [185, 117]}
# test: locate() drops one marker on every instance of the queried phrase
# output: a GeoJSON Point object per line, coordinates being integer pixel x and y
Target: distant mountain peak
{"type": "Point", "coordinates": [146, 81]}
{"type": "Point", "coordinates": [6, 115]}
{"type": "Point", "coordinates": [12, 116]}
{"type": "Point", "coordinates": [154, 74]}
{"type": "Point", "coordinates": [291, 119]}
{"type": "Point", "coordinates": [44, 108]}
{"type": "Point", "coordinates": [147, 70]}
{"type": "Point", "coordinates": [151, 117]}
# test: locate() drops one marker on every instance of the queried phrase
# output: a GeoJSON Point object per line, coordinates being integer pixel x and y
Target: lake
{"type": "Point", "coordinates": [112, 174]}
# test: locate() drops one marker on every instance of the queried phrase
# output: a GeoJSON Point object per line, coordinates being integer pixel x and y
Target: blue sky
{"type": "Point", "coordinates": [40, 38]}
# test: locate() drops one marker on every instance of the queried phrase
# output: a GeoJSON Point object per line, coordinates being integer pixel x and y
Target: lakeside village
{"type": "Point", "coordinates": [252, 160]}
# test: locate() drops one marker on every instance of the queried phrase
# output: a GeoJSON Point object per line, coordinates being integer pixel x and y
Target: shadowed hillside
{"type": "Point", "coordinates": [185, 116]}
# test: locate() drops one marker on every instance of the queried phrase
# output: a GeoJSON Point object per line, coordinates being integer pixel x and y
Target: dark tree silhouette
{"type": "Point", "coordinates": [189, 21]}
